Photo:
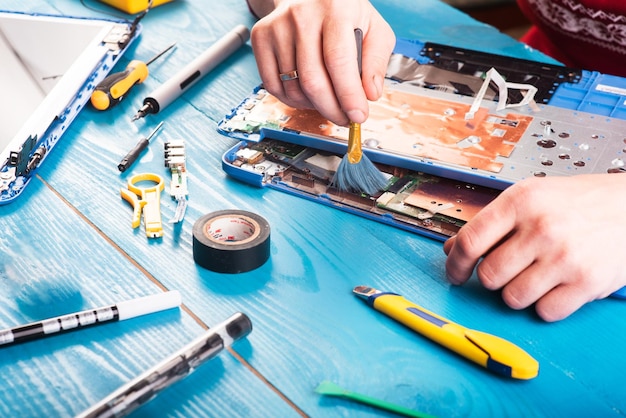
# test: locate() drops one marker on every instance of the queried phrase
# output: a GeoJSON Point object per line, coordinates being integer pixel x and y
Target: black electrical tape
{"type": "Point", "coordinates": [231, 241]}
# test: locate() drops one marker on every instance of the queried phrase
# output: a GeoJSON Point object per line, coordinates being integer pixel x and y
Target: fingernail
{"type": "Point", "coordinates": [356, 116]}
{"type": "Point", "coordinates": [451, 279]}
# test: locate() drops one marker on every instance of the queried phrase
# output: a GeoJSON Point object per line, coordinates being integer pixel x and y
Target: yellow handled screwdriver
{"type": "Point", "coordinates": [115, 86]}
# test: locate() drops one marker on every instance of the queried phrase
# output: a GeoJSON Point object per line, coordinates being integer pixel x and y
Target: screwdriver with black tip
{"type": "Point", "coordinates": [134, 153]}
{"type": "Point", "coordinates": [110, 91]}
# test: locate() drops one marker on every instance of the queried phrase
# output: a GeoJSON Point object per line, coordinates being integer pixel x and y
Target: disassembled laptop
{"type": "Point", "coordinates": [448, 140]}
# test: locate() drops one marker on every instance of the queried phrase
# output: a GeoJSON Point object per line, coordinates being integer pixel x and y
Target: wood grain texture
{"type": "Point", "coordinates": [53, 263]}
{"type": "Point", "coordinates": [308, 327]}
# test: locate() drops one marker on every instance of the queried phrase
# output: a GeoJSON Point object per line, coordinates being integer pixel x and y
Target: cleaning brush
{"type": "Point", "coordinates": [356, 173]}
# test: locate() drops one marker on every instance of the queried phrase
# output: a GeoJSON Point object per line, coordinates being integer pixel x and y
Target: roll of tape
{"type": "Point", "coordinates": [231, 241]}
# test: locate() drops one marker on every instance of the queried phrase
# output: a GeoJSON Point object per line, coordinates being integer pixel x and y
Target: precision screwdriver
{"type": "Point", "coordinates": [132, 155]}
{"type": "Point", "coordinates": [114, 87]}
{"type": "Point", "coordinates": [193, 71]}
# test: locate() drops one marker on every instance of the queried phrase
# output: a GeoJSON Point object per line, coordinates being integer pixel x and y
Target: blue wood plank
{"type": "Point", "coordinates": [308, 327]}
{"type": "Point", "coordinates": [54, 263]}
{"type": "Point", "coordinates": [440, 23]}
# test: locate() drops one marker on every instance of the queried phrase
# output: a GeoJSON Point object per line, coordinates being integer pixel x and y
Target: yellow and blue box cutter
{"type": "Point", "coordinates": [494, 353]}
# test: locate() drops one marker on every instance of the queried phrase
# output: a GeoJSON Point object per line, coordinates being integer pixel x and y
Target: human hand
{"type": "Point", "coordinates": [316, 38]}
{"type": "Point", "coordinates": [556, 241]}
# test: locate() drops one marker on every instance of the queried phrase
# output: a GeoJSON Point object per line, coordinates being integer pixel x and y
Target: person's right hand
{"type": "Point", "coordinates": [556, 242]}
{"type": "Point", "coordinates": [316, 38]}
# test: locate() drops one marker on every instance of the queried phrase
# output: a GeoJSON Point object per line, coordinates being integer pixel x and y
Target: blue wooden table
{"type": "Point", "coordinates": [67, 245]}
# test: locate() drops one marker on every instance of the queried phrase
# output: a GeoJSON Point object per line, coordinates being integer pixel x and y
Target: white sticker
{"type": "Point", "coordinates": [610, 89]}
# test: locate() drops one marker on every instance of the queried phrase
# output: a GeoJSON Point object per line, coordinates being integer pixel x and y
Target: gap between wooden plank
{"type": "Point", "coordinates": [184, 307]}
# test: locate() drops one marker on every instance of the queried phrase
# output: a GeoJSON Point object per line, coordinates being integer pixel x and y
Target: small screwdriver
{"type": "Point", "coordinates": [132, 155]}
{"type": "Point", "coordinates": [114, 87]}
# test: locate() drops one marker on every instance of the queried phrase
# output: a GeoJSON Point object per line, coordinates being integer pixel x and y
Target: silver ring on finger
{"type": "Point", "coordinates": [289, 75]}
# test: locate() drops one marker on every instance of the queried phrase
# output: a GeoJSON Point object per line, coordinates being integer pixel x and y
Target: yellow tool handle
{"type": "Point", "coordinates": [115, 86]}
{"type": "Point", "coordinates": [149, 204]}
{"type": "Point", "coordinates": [355, 151]}
{"type": "Point", "coordinates": [430, 325]}
{"type": "Point", "coordinates": [489, 351]}
{"type": "Point", "coordinates": [132, 198]}
{"type": "Point", "coordinates": [134, 6]}
{"type": "Point", "coordinates": [152, 214]}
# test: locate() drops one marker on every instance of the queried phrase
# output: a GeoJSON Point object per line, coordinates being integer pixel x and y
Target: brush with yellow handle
{"type": "Point", "coordinates": [356, 173]}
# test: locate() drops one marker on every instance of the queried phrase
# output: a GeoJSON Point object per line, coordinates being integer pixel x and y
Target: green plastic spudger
{"type": "Point", "coordinates": [331, 389]}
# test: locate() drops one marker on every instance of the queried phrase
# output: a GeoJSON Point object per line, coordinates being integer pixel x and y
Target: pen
{"type": "Point", "coordinates": [172, 369]}
{"type": "Point", "coordinates": [194, 71]}
{"type": "Point", "coordinates": [132, 155]}
{"type": "Point", "coordinates": [70, 322]}
{"type": "Point", "coordinates": [493, 353]}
